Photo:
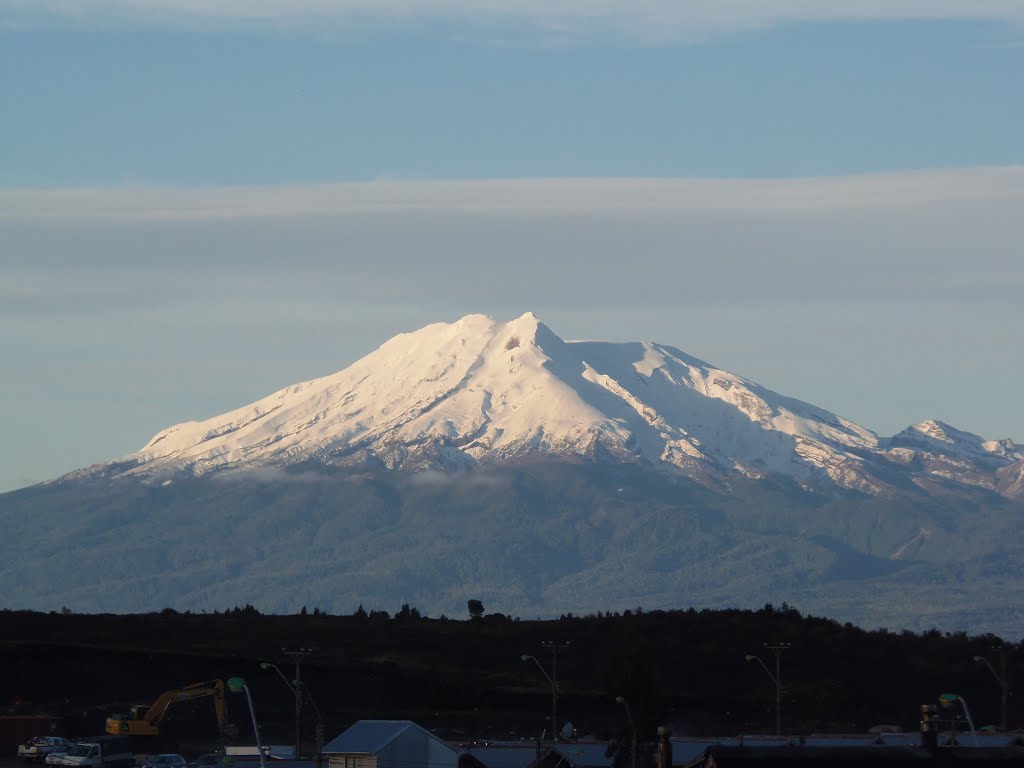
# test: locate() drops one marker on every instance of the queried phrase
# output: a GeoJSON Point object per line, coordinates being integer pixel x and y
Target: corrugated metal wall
{"type": "Point", "coordinates": [353, 761]}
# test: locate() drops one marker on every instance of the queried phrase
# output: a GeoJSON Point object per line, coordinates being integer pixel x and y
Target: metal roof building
{"type": "Point", "coordinates": [518, 755]}
{"type": "Point", "coordinates": [389, 744]}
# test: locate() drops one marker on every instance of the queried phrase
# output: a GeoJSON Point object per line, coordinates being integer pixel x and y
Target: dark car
{"type": "Point", "coordinates": [165, 761]}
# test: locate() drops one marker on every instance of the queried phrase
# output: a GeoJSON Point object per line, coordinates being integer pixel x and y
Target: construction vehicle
{"type": "Point", "coordinates": [145, 721]}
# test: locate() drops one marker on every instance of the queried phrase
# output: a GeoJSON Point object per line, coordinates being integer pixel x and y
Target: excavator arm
{"type": "Point", "coordinates": [148, 723]}
{"type": "Point", "coordinates": [167, 699]}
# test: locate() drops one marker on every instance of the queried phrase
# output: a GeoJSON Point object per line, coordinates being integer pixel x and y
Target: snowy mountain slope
{"type": "Point", "coordinates": [479, 391]}
{"type": "Point", "coordinates": [941, 439]}
{"type": "Point", "coordinates": [1011, 480]}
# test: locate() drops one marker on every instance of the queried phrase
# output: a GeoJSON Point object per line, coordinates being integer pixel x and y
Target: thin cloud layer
{"type": "Point", "coordinates": [1002, 184]}
{"type": "Point", "coordinates": [656, 20]}
{"type": "Point", "coordinates": [923, 236]}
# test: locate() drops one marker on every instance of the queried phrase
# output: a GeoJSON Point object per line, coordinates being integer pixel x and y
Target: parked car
{"type": "Point", "coordinates": [165, 761]}
{"type": "Point", "coordinates": [56, 756]}
{"type": "Point", "coordinates": [208, 761]}
{"type": "Point", "coordinates": [38, 747]}
{"type": "Point", "coordinates": [98, 752]}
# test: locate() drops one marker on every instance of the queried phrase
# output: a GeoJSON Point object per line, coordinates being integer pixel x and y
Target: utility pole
{"type": "Point", "coordinates": [298, 655]}
{"type": "Point", "coordinates": [632, 730]}
{"type": "Point", "coordinates": [778, 648]}
{"type": "Point", "coordinates": [554, 645]}
{"type": "Point", "coordinates": [1004, 684]}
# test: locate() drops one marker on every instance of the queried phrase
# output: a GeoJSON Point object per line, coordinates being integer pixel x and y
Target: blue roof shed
{"type": "Point", "coordinates": [389, 744]}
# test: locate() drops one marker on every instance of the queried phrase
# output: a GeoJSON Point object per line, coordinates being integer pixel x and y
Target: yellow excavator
{"type": "Point", "coordinates": [145, 721]}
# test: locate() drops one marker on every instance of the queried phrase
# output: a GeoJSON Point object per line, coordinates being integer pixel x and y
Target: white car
{"type": "Point", "coordinates": [38, 747]}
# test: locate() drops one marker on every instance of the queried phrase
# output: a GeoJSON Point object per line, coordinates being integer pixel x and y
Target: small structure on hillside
{"type": "Point", "coordinates": [389, 744]}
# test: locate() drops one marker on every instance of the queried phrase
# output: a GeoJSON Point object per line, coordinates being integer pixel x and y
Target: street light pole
{"type": "Point", "coordinates": [268, 665]}
{"type": "Point", "coordinates": [237, 684]}
{"type": "Point", "coordinates": [1004, 686]}
{"type": "Point", "coordinates": [554, 645]}
{"type": "Point", "coordinates": [295, 695]}
{"type": "Point", "coordinates": [296, 687]}
{"type": "Point", "coordinates": [632, 729]}
{"type": "Point", "coordinates": [552, 678]}
{"type": "Point", "coordinates": [554, 692]}
{"type": "Point", "coordinates": [778, 648]}
{"type": "Point", "coordinates": [948, 699]}
{"type": "Point", "coordinates": [298, 655]}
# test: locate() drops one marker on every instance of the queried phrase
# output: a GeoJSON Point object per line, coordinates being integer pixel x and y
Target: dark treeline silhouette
{"type": "Point", "coordinates": [466, 678]}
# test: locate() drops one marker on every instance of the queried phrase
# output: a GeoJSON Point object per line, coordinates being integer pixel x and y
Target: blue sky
{"type": "Point", "coordinates": [174, 241]}
{"type": "Point", "coordinates": [132, 102]}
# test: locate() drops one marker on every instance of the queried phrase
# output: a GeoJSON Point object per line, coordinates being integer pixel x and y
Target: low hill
{"type": "Point", "coordinates": [466, 678]}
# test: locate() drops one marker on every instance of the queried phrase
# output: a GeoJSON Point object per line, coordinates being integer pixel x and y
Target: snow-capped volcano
{"type": "Point", "coordinates": [613, 475]}
{"type": "Point", "coordinates": [478, 391]}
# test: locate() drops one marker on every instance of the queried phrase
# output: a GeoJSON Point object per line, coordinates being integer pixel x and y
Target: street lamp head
{"type": "Point", "coordinates": [620, 700]}
{"type": "Point", "coordinates": [266, 665]}
{"type": "Point", "coordinates": [525, 657]}
{"type": "Point", "coordinates": [236, 684]}
{"type": "Point", "coordinates": [949, 699]}
{"type": "Point", "coordinates": [980, 658]}
{"type": "Point", "coordinates": [748, 657]}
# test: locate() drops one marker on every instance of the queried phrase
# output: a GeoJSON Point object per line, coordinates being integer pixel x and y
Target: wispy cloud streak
{"type": "Point", "coordinates": [664, 20]}
{"type": "Point", "coordinates": [518, 196]}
